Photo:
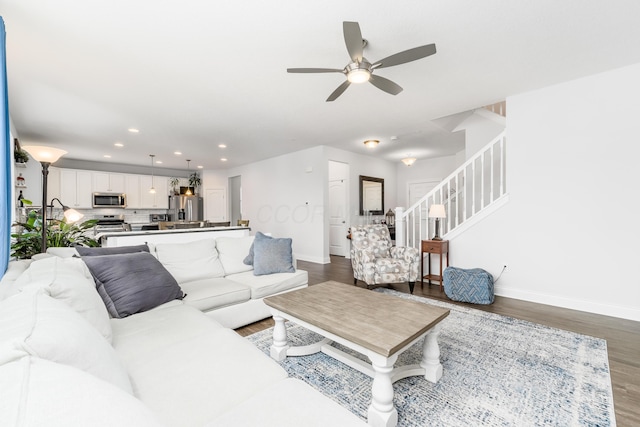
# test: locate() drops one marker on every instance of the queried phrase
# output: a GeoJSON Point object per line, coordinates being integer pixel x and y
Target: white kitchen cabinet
{"type": "Point", "coordinates": [132, 190]}
{"type": "Point", "coordinates": [105, 182]}
{"type": "Point", "coordinates": [160, 199]}
{"type": "Point", "coordinates": [76, 188]}
{"type": "Point", "coordinates": [53, 184]}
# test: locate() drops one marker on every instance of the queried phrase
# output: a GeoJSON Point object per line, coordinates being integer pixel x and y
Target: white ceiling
{"type": "Point", "coordinates": [193, 74]}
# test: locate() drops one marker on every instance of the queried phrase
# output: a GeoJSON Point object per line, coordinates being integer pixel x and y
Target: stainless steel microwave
{"type": "Point", "coordinates": [109, 200]}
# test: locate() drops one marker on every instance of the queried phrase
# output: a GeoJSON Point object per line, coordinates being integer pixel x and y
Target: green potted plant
{"type": "Point", "coordinates": [27, 239]}
{"type": "Point", "coordinates": [20, 156]}
{"type": "Point", "coordinates": [175, 185]}
{"type": "Point", "coordinates": [194, 181]}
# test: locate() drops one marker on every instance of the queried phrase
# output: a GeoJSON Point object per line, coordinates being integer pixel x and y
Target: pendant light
{"type": "Point", "coordinates": [152, 190]}
{"type": "Point", "coordinates": [188, 193]}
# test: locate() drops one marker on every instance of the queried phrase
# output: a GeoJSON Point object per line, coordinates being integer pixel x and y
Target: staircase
{"type": "Point", "coordinates": [471, 192]}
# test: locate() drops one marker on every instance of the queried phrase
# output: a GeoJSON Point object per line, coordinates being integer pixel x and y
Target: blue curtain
{"type": "Point", "coordinates": [5, 157]}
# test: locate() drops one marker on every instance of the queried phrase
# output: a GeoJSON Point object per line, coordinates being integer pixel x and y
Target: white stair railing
{"type": "Point", "coordinates": [469, 190]}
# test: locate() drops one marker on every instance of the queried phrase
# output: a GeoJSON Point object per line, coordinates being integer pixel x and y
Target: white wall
{"type": "Point", "coordinates": [480, 128]}
{"type": "Point", "coordinates": [287, 195]}
{"type": "Point", "coordinates": [569, 232]}
{"type": "Point", "coordinates": [426, 170]}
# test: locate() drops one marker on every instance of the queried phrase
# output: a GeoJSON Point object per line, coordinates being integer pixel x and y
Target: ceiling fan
{"type": "Point", "coordinates": [360, 70]}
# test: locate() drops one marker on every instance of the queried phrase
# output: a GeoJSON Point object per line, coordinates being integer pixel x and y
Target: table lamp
{"type": "Point", "coordinates": [437, 212]}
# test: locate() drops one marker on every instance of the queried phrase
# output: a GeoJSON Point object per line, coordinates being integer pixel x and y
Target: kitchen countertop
{"type": "Point", "coordinates": [175, 231]}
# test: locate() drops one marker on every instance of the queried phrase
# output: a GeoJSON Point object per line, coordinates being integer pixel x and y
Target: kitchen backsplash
{"type": "Point", "coordinates": [131, 216]}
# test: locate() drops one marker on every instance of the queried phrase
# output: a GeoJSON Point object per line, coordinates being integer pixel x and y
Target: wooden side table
{"type": "Point", "coordinates": [440, 247]}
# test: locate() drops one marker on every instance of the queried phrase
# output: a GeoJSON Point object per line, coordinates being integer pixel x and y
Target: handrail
{"type": "Point", "coordinates": [466, 192]}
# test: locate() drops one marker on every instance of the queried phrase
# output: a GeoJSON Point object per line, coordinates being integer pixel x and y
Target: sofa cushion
{"type": "Point", "coordinates": [288, 403]}
{"type": "Point", "coordinates": [37, 392]}
{"type": "Point", "coordinates": [271, 255]}
{"type": "Point", "coordinates": [207, 294]}
{"type": "Point", "coordinates": [83, 251]}
{"type": "Point", "coordinates": [68, 280]}
{"type": "Point", "coordinates": [63, 252]}
{"type": "Point", "coordinates": [190, 261]}
{"type": "Point", "coordinates": [233, 251]}
{"type": "Point", "coordinates": [248, 260]}
{"type": "Point", "coordinates": [131, 283]}
{"type": "Point", "coordinates": [37, 325]}
{"type": "Point", "coordinates": [211, 368]}
{"type": "Point", "coordinates": [262, 286]}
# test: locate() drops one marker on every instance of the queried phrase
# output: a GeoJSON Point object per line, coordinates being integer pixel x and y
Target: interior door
{"type": "Point", "coordinates": [216, 206]}
{"type": "Point", "coordinates": [337, 217]}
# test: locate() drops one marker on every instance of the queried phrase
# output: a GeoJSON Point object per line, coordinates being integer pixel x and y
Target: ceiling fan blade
{"type": "Point", "coordinates": [314, 70]}
{"type": "Point", "coordinates": [353, 40]}
{"type": "Point", "coordinates": [406, 56]}
{"type": "Point", "coordinates": [336, 93]}
{"type": "Point", "coordinates": [385, 85]}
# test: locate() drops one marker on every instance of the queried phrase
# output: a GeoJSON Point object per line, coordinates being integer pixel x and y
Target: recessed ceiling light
{"type": "Point", "coordinates": [119, 144]}
{"type": "Point", "coordinates": [200, 167]}
{"type": "Point", "coordinates": [178, 153]}
{"type": "Point", "coordinates": [222, 145]}
{"type": "Point", "coordinates": [223, 159]}
{"type": "Point", "coordinates": [133, 130]}
{"type": "Point", "coordinates": [159, 162]}
{"type": "Point", "coordinates": [107, 156]}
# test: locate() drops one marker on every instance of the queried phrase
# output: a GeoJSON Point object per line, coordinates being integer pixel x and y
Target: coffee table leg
{"type": "Point", "coordinates": [280, 346]}
{"type": "Point", "coordinates": [431, 355]}
{"type": "Point", "coordinates": [382, 413]}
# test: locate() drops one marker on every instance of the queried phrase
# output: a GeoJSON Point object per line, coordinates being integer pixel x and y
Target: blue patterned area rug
{"type": "Point", "coordinates": [498, 371]}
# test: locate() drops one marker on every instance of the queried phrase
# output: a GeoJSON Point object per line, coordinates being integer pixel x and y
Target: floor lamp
{"type": "Point", "coordinates": [46, 156]}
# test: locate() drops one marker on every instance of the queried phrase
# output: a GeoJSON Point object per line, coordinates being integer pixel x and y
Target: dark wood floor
{"type": "Point", "coordinates": [623, 336]}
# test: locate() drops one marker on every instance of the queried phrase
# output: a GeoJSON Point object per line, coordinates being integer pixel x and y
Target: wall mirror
{"type": "Point", "coordinates": [371, 195]}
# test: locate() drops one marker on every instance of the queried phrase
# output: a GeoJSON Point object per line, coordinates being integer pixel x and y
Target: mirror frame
{"type": "Point", "coordinates": [371, 179]}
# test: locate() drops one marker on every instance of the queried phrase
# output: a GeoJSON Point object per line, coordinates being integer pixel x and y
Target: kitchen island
{"type": "Point", "coordinates": [129, 238]}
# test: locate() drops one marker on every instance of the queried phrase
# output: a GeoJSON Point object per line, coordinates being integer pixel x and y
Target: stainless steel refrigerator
{"type": "Point", "coordinates": [186, 208]}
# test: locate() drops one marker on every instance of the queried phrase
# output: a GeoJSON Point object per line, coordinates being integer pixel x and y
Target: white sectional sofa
{"type": "Point", "coordinates": [216, 281]}
{"type": "Point", "coordinates": [65, 362]}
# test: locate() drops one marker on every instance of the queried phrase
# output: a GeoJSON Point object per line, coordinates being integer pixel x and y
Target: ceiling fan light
{"type": "Point", "coordinates": [409, 161]}
{"type": "Point", "coordinates": [371, 143]}
{"type": "Point", "coordinates": [359, 75]}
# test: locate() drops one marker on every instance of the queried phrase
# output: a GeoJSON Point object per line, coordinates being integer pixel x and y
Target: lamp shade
{"type": "Point", "coordinates": [44, 154]}
{"type": "Point", "coordinates": [437, 211]}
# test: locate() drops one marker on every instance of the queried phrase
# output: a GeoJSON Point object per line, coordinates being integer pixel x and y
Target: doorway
{"type": "Point", "coordinates": [338, 208]}
{"type": "Point", "coordinates": [235, 199]}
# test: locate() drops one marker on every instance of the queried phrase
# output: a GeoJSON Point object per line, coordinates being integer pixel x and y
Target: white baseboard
{"type": "Point", "coordinates": [571, 303]}
{"type": "Point", "coordinates": [317, 260]}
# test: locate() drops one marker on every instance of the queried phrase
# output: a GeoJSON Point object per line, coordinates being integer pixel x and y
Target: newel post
{"type": "Point", "coordinates": [400, 225]}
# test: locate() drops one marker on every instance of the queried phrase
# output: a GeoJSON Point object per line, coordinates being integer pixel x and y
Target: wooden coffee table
{"type": "Point", "coordinates": [373, 324]}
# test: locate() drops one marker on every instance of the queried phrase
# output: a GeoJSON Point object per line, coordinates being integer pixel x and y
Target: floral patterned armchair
{"type": "Point", "coordinates": [376, 261]}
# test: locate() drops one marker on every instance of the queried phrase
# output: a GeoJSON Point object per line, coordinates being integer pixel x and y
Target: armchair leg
{"type": "Point", "coordinates": [355, 281]}
{"type": "Point", "coordinates": [411, 285]}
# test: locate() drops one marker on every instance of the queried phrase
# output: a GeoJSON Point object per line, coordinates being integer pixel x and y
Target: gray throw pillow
{"type": "Point", "coordinates": [132, 283]}
{"type": "Point", "coordinates": [248, 260]}
{"type": "Point", "coordinates": [272, 256]}
{"type": "Point", "coordinates": [84, 251]}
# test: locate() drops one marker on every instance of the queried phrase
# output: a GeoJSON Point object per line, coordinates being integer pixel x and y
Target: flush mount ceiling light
{"type": "Point", "coordinates": [409, 160]}
{"type": "Point", "coordinates": [119, 144]}
{"type": "Point", "coordinates": [133, 130]}
{"type": "Point", "coordinates": [371, 143]}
